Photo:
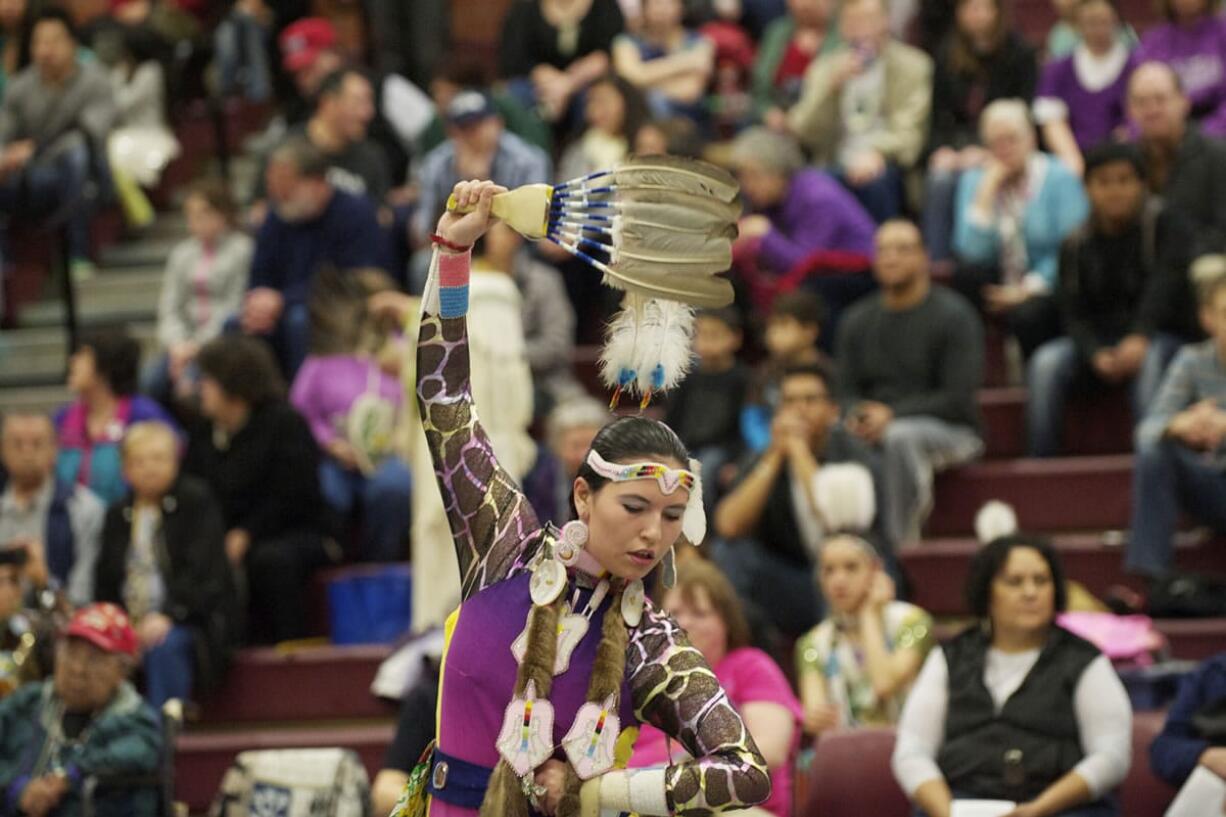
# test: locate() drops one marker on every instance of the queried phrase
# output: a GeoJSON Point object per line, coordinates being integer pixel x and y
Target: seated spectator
{"type": "Point", "coordinates": [1114, 294]}
{"type": "Point", "coordinates": [261, 462]}
{"type": "Point", "coordinates": [705, 409]}
{"type": "Point", "coordinates": [202, 288]}
{"type": "Point", "coordinates": [309, 52]}
{"type": "Point", "coordinates": [614, 112]}
{"type": "Point", "coordinates": [311, 223]}
{"type": "Point", "coordinates": [569, 430]}
{"type": "Point", "coordinates": [768, 528]}
{"type": "Point", "coordinates": [983, 60]}
{"type": "Point", "coordinates": [1183, 166]}
{"type": "Point", "coordinates": [54, 123]}
{"type": "Point", "coordinates": [163, 560]}
{"type": "Point", "coordinates": [27, 636]}
{"type": "Point", "coordinates": [1080, 101]}
{"type": "Point", "coordinates": [241, 43]}
{"type": "Point", "coordinates": [670, 137]}
{"type": "Point", "coordinates": [1192, 42]}
{"type": "Point", "coordinates": [793, 328]}
{"type": "Point", "coordinates": [856, 667]}
{"type": "Point", "coordinates": [801, 216]}
{"type": "Point", "coordinates": [416, 728]}
{"type": "Point", "coordinates": [864, 108]}
{"type": "Point", "coordinates": [351, 404]}
{"type": "Point", "coordinates": [1065, 36]}
{"type": "Point", "coordinates": [910, 362]}
{"type": "Point", "coordinates": [704, 604]}
{"type": "Point", "coordinates": [1016, 708]}
{"type": "Point", "coordinates": [89, 718]}
{"type": "Point", "coordinates": [1011, 216]}
{"type": "Point", "coordinates": [1179, 443]}
{"type": "Point", "coordinates": [57, 524]}
{"type": "Point", "coordinates": [16, 22]}
{"type": "Point", "coordinates": [551, 51]}
{"type": "Point", "coordinates": [102, 374]}
{"type": "Point", "coordinates": [669, 63]}
{"type": "Point", "coordinates": [808, 31]}
{"type": "Point", "coordinates": [1192, 737]}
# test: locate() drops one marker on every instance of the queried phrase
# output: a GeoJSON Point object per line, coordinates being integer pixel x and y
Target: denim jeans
{"type": "Point", "coordinates": [50, 183]}
{"type": "Point", "coordinates": [170, 668]}
{"type": "Point", "coordinates": [1167, 478]}
{"type": "Point", "coordinates": [241, 44]}
{"type": "Point", "coordinates": [1057, 369]}
{"type": "Point", "coordinates": [384, 497]}
{"type": "Point", "coordinates": [881, 197]}
{"type": "Point", "coordinates": [940, 191]}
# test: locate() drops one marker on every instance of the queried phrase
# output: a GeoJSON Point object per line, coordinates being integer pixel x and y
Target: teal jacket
{"type": "Point", "coordinates": [123, 739]}
{"type": "Point", "coordinates": [1058, 208]}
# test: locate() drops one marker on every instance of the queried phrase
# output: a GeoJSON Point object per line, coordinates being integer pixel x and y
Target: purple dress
{"type": "Point", "coordinates": [1092, 115]}
{"type": "Point", "coordinates": [1197, 53]}
{"type": "Point", "coordinates": [817, 213]}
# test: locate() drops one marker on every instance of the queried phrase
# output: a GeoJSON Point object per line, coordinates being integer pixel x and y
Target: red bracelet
{"type": "Point", "coordinates": [449, 245]}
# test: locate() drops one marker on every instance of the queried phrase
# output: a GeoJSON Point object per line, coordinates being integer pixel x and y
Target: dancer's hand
{"type": "Point", "coordinates": [552, 775]}
{"type": "Point", "coordinates": [465, 228]}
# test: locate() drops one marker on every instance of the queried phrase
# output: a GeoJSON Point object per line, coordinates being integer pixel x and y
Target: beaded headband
{"type": "Point", "coordinates": [670, 479]}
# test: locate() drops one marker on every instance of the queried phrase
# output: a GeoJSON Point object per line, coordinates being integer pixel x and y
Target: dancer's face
{"type": "Point", "coordinates": [631, 524]}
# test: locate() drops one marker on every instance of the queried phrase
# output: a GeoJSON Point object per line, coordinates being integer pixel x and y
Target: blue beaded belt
{"type": "Point", "coordinates": [457, 781]}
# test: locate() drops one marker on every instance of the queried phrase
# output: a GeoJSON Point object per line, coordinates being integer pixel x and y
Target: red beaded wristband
{"type": "Point", "coordinates": [449, 245]}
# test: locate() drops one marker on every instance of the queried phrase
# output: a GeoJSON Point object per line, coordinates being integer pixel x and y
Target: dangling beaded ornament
{"type": "Point", "coordinates": [633, 598]}
{"type": "Point", "coordinates": [526, 739]}
{"type": "Point", "coordinates": [571, 542]}
{"type": "Point", "coordinates": [548, 582]}
{"type": "Point", "coordinates": [592, 739]}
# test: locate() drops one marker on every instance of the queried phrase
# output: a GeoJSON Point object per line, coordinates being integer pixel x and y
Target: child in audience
{"type": "Point", "coordinates": [671, 64]}
{"type": "Point", "coordinates": [203, 286]}
{"type": "Point", "coordinates": [614, 112]}
{"type": "Point", "coordinates": [705, 409]}
{"type": "Point", "coordinates": [163, 559]}
{"type": "Point", "coordinates": [1193, 43]}
{"type": "Point", "coordinates": [792, 330]}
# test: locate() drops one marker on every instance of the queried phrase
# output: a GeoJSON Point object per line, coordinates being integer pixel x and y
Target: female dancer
{"type": "Point", "coordinates": [553, 649]}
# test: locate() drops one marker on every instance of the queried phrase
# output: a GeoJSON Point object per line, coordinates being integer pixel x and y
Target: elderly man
{"type": "Point", "coordinates": [87, 720]}
{"type": "Point", "coordinates": [864, 107]}
{"type": "Point", "coordinates": [58, 527]}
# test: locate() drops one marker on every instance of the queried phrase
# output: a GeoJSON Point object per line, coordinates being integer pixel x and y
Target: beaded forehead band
{"type": "Point", "coordinates": [670, 479]}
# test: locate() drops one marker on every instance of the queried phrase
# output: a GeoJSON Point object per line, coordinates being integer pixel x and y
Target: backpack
{"type": "Point", "coordinates": [294, 783]}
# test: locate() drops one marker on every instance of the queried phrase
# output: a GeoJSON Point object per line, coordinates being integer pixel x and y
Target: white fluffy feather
{"type": "Point", "coordinates": [843, 494]}
{"type": "Point", "coordinates": [994, 520]}
{"type": "Point", "coordinates": [665, 338]}
{"type": "Point", "coordinates": [694, 523]}
{"type": "Point", "coordinates": [621, 341]}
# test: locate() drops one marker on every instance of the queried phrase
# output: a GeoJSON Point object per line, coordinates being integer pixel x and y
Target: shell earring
{"type": "Point", "coordinates": [571, 542]}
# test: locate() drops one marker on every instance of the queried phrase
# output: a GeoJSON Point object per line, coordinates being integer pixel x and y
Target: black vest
{"type": "Point", "coordinates": [1033, 741]}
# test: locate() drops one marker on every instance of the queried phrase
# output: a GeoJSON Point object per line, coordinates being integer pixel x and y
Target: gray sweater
{"type": "Point", "coordinates": [192, 309]}
{"type": "Point", "coordinates": [32, 109]}
{"type": "Point", "coordinates": [1197, 373]}
{"type": "Point", "coordinates": [927, 360]}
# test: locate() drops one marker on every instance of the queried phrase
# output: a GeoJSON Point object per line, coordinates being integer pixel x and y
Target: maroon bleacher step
{"type": "Point", "coordinates": [202, 759]}
{"type": "Point", "coordinates": [1194, 639]}
{"type": "Point", "coordinates": [1068, 494]}
{"type": "Point", "coordinates": [1096, 423]}
{"type": "Point", "coordinates": [314, 683]}
{"type": "Point", "coordinates": [937, 568]}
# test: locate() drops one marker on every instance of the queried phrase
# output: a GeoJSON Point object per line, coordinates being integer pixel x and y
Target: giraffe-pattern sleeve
{"type": "Point", "coordinates": [492, 524]}
{"type": "Point", "coordinates": [675, 691]}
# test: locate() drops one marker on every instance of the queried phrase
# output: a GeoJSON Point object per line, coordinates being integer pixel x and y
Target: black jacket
{"type": "Point", "coordinates": [200, 589]}
{"type": "Point", "coordinates": [958, 99]}
{"type": "Point", "coordinates": [1196, 189]}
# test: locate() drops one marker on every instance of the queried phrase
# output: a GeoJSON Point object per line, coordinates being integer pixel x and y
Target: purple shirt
{"type": "Point", "coordinates": [817, 213]}
{"type": "Point", "coordinates": [1092, 115]}
{"type": "Point", "coordinates": [1198, 56]}
{"type": "Point", "coordinates": [325, 388]}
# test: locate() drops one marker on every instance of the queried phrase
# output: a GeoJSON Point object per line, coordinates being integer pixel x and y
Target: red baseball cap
{"type": "Point", "coordinates": [302, 41]}
{"type": "Point", "coordinates": [106, 626]}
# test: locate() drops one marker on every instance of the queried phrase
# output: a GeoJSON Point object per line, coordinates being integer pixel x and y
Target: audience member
{"type": "Point", "coordinates": [1118, 293]}
{"type": "Point", "coordinates": [311, 223]}
{"type": "Point", "coordinates": [1183, 166]}
{"type": "Point", "coordinates": [910, 361]}
{"type": "Point", "coordinates": [352, 404]}
{"type": "Point", "coordinates": [462, 72]}
{"type": "Point", "coordinates": [1193, 737]}
{"type": "Point", "coordinates": [241, 42]}
{"type": "Point", "coordinates": [802, 216]}
{"type": "Point", "coordinates": [16, 23]}
{"type": "Point", "coordinates": [807, 32]}
{"type": "Point", "coordinates": [856, 667]}
{"type": "Point", "coordinates": [1064, 37]}
{"type": "Point", "coordinates": [308, 54]}
{"type": "Point", "coordinates": [671, 64]}
{"type": "Point", "coordinates": [793, 327]}
{"type": "Point", "coordinates": [57, 524]}
{"type": "Point", "coordinates": [102, 374]}
{"type": "Point", "coordinates": [54, 122]}
{"type": "Point", "coordinates": [163, 560]}
{"type": "Point", "coordinates": [202, 287]}
{"type": "Point", "coordinates": [1080, 101]}
{"type": "Point", "coordinates": [1016, 708]}
{"type": "Point", "coordinates": [614, 112]}
{"type": "Point", "coordinates": [1012, 214]}
{"type": "Point", "coordinates": [1179, 465]}
{"type": "Point", "coordinates": [261, 462]}
{"type": "Point", "coordinates": [705, 410]}
{"type": "Point", "coordinates": [1192, 42]}
{"type": "Point", "coordinates": [768, 527]}
{"type": "Point", "coordinates": [416, 728]}
{"type": "Point", "coordinates": [704, 604]}
{"type": "Point", "coordinates": [982, 61]}
{"type": "Point", "coordinates": [864, 107]}
{"type": "Point", "coordinates": [551, 50]}
{"type": "Point", "coordinates": [569, 431]}
{"type": "Point", "coordinates": [86, 720]}
{"type": "Point", "coordinates": [27, 637]}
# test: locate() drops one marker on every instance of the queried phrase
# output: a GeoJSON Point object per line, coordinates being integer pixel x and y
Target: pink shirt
{"type": "Point", "coordinates": [748, 675]}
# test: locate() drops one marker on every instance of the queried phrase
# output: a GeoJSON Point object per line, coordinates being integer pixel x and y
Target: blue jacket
{"type": "Point", "coordinates": [1059, 208]}
{"type": "Point", "coordinates": [1175, 753]}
